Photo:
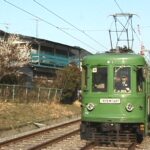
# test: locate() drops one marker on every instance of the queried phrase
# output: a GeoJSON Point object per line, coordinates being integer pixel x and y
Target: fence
{"type": "Point", "coordinates": [18, 93]}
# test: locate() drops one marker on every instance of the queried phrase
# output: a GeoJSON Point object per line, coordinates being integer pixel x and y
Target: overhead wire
{"type": "Point", "coordinates": [82, 31]}
{"type": "Point", "coordinates": [47, 22]}
{"type": "Point", "coordinates": [88, 30]}
{"type": "Point", "coordinates": [118, 6]}
{"type": "Point", "coordinates": [145, 27]}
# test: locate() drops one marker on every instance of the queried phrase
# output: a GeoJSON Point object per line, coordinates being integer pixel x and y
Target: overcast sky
{"type": "Point", "coordinates": [83, 23]}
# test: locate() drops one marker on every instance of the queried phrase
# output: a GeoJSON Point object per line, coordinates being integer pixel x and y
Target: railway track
{"type": "Point", "coordinates": [42, 137]}
{"type": "Point", "coordinates": [63, 136]}
{"type": "Point", "coordinates": [74, 143]}
{"type": "Point", "coordinates": [96, 146]}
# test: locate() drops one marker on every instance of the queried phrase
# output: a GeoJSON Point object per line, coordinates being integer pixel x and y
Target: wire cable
{"type": "Point", "coordinates": [82, 31]}
{"type": "Point", "coordinates": [49, 24]}
{"type": "Point", "coordinates": [118, 6]}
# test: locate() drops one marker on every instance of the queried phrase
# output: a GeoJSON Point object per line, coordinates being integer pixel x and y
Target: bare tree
{"type": "Point", "coordinates": [14, 53]}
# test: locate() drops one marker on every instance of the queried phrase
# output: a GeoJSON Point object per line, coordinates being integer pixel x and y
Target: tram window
{"type": "Point", "coordinates": [99, 79]}
{"type": "Point", "coordinates": [84, 77]}
{"type": "Point", "coordinates": [139, 80]}
{"type": "Point", "coordinates": [122, 79]}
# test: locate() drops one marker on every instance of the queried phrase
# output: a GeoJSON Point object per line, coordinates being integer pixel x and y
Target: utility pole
{"type": "Point", "coordinates": [6, 27]}
{"type": "Point", "coordinates": [36, 27]}
{"type": "Point", "coordinates": [143, 51]}
{"type": "Point", "coordinates": [141, 42]}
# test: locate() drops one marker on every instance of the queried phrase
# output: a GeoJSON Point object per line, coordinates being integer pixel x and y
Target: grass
{"type": "Point", "coordinates": [17, 114]}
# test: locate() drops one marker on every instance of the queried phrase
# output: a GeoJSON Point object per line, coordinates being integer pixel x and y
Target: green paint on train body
{"type": "Point", "coordinates": [114, 59]}
{"type": "Point", "coordinates": [114, 112]}
{"type": "Point", "coordinates": [106, 102]}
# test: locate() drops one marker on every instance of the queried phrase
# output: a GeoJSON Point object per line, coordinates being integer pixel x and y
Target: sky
{"type": "Point", "coordinates": [82, 23]}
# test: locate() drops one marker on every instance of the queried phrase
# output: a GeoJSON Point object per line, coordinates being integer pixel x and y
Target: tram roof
{"type": "Point", "coordinates": [114, 58]}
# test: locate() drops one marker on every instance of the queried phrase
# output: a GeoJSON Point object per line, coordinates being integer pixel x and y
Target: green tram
{"type": "Point", "coordinates": [115, 97]}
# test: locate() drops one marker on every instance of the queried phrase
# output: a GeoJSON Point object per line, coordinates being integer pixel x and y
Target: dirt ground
{"type": "Point", "coordinates": [14, 115]}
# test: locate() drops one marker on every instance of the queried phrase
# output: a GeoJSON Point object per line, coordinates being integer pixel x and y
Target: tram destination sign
{"type": "Point", "coordinates": [110, 100]}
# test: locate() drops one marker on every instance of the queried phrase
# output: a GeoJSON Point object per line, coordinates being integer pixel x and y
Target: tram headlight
{"type": "Point", "coordinates": [90, 106]}
{"type": "Point", "coordinates": [129, 107]}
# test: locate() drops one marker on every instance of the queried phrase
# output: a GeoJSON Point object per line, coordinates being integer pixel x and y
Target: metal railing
{"type": "Point", "coordinates": [18, 93]}
{"type": "Point", "coordinates": [52, 60]}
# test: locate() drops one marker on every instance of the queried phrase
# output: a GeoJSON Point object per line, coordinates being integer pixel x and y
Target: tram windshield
{"type": "Point", "coordinates": [122, 79]}
{"type": "Point", "coordinates": [99, 79]}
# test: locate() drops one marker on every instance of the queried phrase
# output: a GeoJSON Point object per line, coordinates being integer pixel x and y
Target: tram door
{"type": "Point", "coordinates": [146, 73]}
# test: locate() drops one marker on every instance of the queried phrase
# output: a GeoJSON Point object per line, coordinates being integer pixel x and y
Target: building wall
{"type": "Point", "coordinates": [46, 56]}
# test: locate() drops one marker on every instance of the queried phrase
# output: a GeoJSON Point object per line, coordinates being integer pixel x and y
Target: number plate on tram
{"type": "Point", "coordinates": [110, 100]}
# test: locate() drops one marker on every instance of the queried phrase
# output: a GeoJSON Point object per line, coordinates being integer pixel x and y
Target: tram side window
{"type": "Point", "coordinates": [99, 79]}
{"type": "Point", "coordinates": [140, 80]}
{"type": "Point", "coordinates": [84, 77]}
{"type": "Point", "coordinates": [122, 79]}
